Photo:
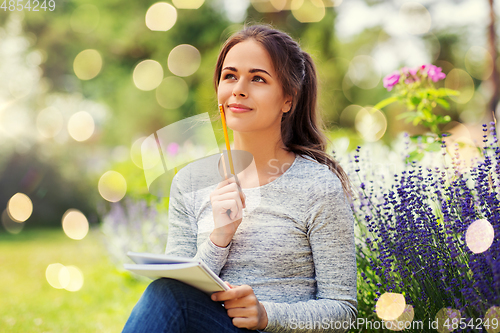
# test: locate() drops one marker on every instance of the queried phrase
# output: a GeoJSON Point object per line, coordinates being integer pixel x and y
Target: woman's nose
{"type": "Point", "coordinates": [240, 89]}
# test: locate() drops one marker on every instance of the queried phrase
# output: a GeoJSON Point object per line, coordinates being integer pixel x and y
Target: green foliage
{"type": "Point", "coordinates": [420, 97]}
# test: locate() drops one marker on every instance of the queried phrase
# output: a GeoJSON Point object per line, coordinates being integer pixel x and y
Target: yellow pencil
{"type": "Point", "coordinates": [226, 138]}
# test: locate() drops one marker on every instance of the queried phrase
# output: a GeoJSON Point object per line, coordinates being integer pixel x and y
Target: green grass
{"type": "Point", "coordinates": [29, 304]}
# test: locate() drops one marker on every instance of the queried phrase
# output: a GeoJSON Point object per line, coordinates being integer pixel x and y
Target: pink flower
{"type": "Point", "coordinates": [410, 74]}
{"type": "Point", "coordinates": [391, 80]}
{"type": "Point", "coordinates": [433, 72]}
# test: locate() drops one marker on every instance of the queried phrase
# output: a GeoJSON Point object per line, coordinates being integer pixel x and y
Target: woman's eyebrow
{"type": "Point", "coordinates": [253, 70]}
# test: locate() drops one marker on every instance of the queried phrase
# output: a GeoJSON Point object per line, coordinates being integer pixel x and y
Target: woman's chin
{"type": "Point", "coordinates": [239, 126]}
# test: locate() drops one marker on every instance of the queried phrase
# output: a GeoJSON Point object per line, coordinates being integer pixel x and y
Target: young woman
{"type": "Point", "coordinates": [287, 247]}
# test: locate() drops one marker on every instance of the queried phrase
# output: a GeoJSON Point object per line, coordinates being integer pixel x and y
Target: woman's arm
{"type": "Point", "coordinates": [183, 227]}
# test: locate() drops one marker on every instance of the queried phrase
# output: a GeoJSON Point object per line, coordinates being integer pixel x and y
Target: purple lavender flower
{"type": "Point", "coordinates": [415, 234]}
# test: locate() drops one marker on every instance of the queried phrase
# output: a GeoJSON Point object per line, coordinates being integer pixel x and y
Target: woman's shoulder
{"type": "Point", "coordinates": [316, 179]}
{"type": "Point", "coordinates": [316, 172]}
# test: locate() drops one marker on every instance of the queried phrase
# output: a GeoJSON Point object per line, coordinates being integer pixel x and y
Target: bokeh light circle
{"type": "Point", "coordinates": [64, 277]}
{"type": "Point", "coordinates": [415, 17]}
{"type": "Point", "coordinates": [188, 4]}
{"type": "Point", "coordinates": [479, 236]}
{"type": "Point", "coordinates": [306, 11]}
{"type": "Point", "coordinates": [364, 72]}
{"type": "Point", "coordinates": [148, 75]}
{"type": "Point", "coordinates": [81, 126]}
{"type": "Point", "coordinates": [172, 92]}
{"type": "Point", "coordinates": [75, 277]}
{"type": "Point", "coordinates": [479, 62]}
{"type": "Point", "coordinates": [135, 152]}
{"type": "Point", "coordinates": [52, 274]}
{"type": "Point", "coordinates": [11, 226]}
{"type": "Point", "coordinates": [150, 156]}
{"type": "Point", "coordinates": [161, 16]}
{"type": "Point", "coordinates": [19, 207]}
{"type": "Point", "coordinates": [403, 321]}
{"type": "Point", "coordinates": [75, 224]}
{"type": "Point", "coordinates": [184, 60]}
{"type": "Point", "coordinates": [390, 306]}
{"type": "Point", "coordinates": [112, 186]}
{"type": "Point", "coordinates": [348, 115]}
{"type": "Point", "coordinates": [87, 64]}
{"type": "Point", "coordinates": [85, 18]}
{"type": "Point", "coordinates": [266, 6]}
{"type": "Point", "coordinates": [278, 4]}
{"type": "Point", "coordinates": [447, 316]}
{"type": "Point", "coordinates": [49, 122]}
{"type": "Point", "coordinates": [460, 80]}
{"type": "Point", "coordinates": [492, 316]}
{"type": "Point", "coordinates": [371, 124]}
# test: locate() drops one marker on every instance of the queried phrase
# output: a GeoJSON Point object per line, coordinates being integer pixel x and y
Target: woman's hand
{"type": "Point", "coordinates": [228, 201]}
{"type": "Point", "coordinates": [243, 306]}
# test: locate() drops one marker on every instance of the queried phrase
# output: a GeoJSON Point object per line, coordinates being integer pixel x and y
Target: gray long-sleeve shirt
{"type": "Point", "coordinates": [294, 246]}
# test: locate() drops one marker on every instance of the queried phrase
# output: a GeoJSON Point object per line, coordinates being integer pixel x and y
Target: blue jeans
{"type": "Point", "coordinates": [171, 306]}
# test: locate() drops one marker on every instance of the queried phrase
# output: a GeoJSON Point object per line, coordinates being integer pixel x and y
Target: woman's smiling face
{"type": "Point", "coordinates": [250, 90]}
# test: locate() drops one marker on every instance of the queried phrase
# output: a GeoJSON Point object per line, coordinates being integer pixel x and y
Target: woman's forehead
{"type": "Point", "coordinates": [248, 54]}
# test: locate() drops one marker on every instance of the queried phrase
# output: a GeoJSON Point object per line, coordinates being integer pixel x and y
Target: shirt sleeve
{"type": "Point", "coordinates": [183, 227]}
{"type": "Point", "coordinates": [330, 229]}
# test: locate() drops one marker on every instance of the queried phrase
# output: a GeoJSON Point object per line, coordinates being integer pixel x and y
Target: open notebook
{"type": "Point", "coordinates": [188, 270]}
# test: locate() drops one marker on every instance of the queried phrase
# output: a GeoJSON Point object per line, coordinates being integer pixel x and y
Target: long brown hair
{"type": "Point", "coordinates": [302, 129]}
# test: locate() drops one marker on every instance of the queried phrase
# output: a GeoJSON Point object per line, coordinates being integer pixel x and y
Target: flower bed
{"type": "Point", "coordinates": [427, 232]}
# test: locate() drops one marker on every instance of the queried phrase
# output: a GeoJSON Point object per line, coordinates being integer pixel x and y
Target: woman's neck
{"type": "Point", "coordinates": [270, 158]}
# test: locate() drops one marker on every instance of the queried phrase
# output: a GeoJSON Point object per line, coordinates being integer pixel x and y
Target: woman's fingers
{"type": "Point", "coordinates": [228, 201]}
{"type": "Point", "coordinates": [228, 193]}
{"type": "Point", "coordinates": [230, 184]}
{"type": "Point", "coordinates": [221, 208]}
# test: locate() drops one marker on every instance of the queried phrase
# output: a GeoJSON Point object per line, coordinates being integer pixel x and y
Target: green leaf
{"type": "Point", "coordinates": [443, 120]}
{"type": "Point", "coordinates": [433, 147]}
{"type": "Point", "coordinates": [415, 100]}
{"type": "Point", "coordinates": [443, 92]}
{"type": "Point", "coordinates": [416, 155]}
{"type": "Point", "coordinates": [432, 92]}
{"type": "Point", "coordinates": [406, 115]}
{"type": "Point", "coordinates": [385, 102]}
{"type": "Point", "coordinates": [444, 103]}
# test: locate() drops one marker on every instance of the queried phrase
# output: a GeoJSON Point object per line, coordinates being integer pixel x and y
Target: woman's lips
{"type": "Point", "coordinates": [237, 108]}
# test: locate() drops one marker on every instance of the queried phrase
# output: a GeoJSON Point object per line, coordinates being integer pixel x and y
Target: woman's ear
{"type": "Point", "coordinates": [287, 106]}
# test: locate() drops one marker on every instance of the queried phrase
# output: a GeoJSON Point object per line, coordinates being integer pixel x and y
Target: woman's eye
{"type": "Point", "coordinates": [229, 76]}
{"type": "Point", "coordinates": [259, 79]}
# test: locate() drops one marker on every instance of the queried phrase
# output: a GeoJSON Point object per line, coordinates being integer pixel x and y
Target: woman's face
{"type": "Point", "coordinates": [250, 90]}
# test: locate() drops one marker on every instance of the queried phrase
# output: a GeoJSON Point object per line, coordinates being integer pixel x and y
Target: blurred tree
{"type": "Point", "coordinates": [123, 40]}
{"type": "Point", "coordinates": [51, 194]}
